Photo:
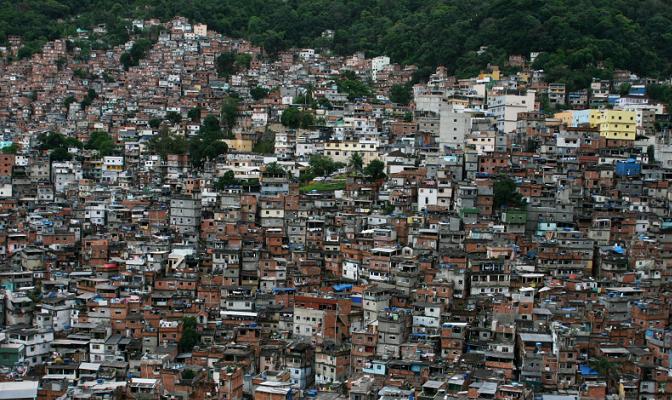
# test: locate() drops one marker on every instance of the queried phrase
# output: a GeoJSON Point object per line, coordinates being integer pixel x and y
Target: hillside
{"type": "Point", "coordinates": [580, 38]}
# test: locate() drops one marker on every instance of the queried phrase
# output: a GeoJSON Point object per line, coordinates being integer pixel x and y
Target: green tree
{"type": "Point", "coordinates": [102, 142]}
{"type": "Point", "coordinates": [225, 180]}
{"type": "Point", "coordinates": [26, 52]}
{"type": "Point", "coordinates": [243, 61]}
{"type": "Point", "coordinates": [137, 52]}
{"type": "Point", "coordinates": [154, 123]}
{"type": "Point", "coordinates": [506, 193]}
{"type": "Point", "coordinates": [225, 64]}
{"type": "Point", "coordinates": [651, 153]}
{"type": "Point", "coordinates": [321, 165]}
{"type": "Point", "coordinates": [202, 149]}
{"type": "Point", "coordinates": [173, 117]}
{"type": "Point", "coordinates": [624, 89]}
{"type": "Point", "coordinates": [400, 94]}
{"type": "Point", "coordinates": [210, 126]}
{"type": "Point", "coordinates": [606, 368]}
{"type": "Point", "coordinates": [532, 145]}
{"type": "Point", "coordinates": [88, 99]}
{"type": "Point", "coordinates": [291, 118]}
{"type": "Point", "coordinates": [323, 102]}
{"type": "Point", "coordinates": [190, 335]}
{"type": "Point", "coordinates": [580, 39]}
{"type": "Point", "coordinates": [353, 88]}
{"type": "Point", "coordinates": [68, 100]}
{"type": "Point", "coordinates": [274, 169]}
{"type": "Point", "coordinates": [375, 170]}
{"type": "Point", "coordinates": [307, 119]}
{"type": "Point", "coordinates": [60, 154]}
{"type": "Point", "coordinates": [166, 143]}
{"type": "Point", "coordinates": [258, 92]}
{"type": "Point", "coordinates": [264, 146]}
{"type": "Point", "coordinates": [230, 112]}
{"type": "Point", "coordinates": [55, 140]}
{"type": "Point", "coordinates": [294, 118]}
{"type": "Point", "coordinates": [208, 144]}
{"type": "Point", "coordinates": [81, 73]}
{"type": "Point", "coordinates": [11, 149]}
{"type": "Point", "coordinates": [356, 162]}
{"type": "Point", "coordinates": [194, 114]}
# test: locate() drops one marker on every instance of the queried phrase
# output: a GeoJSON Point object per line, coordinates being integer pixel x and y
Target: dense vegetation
{"type": "Point", "coordinates": [58, 145]}
{"type": "Point", "coordinates": [580, 38]}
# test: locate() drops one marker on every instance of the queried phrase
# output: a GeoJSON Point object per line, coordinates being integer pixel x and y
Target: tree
{"type": "Point", "coordinates": [194, 114]}
{"type": "Point", "coordinates": [208, 144]}
{"type": "Point", "coordinates": [356, 162]}
{"type": "Point", "coordinates": [11, 149]}
{"type": "Point", "coordinates": [506, 194]}
{"type": "Point", "coordinates": [274, 169]}
{"type": "Point", "coordinates": [174, 117]}
{"type": "Point", "coordinates": [166, 143]}
{"type": "Point", "coordinates": [230, 112]}
{"type": "Point", "coordinates": [307, 119]}
{"type": "Point", "coordinates": [375, 170]}
{"type": "Point", "coordinates": [243, 61]}
{"type": "Point", "coordinates": [204, 148]}
{"type": "Point", "coordinates": [352, 87]}
{"type": "Point", "coordinates": [258, 93]}
{"type": "Point", "coordinates": [323, 102]}
{"type": "Point", "coordinates": [225, 180]}
{"type": "Point", "coordinates": [294, 118]}
{"type": "Point", "coordinates": [102, 142]}
{"type": "Point", "coordinates": [624, 89]}
{"type": "Point", "coordinates": [322, 165]}
{"type": "Point", "coordinates": [68, 100]}
{"type": "Point", "coordinates": [88, 99]}
{"type": "Point", "coordinates": [532, 145]}
{"type": "Point", "coordinates": [58, 145]}
{"type": "Point", "coordinates": [651, 153]}
{"type": "Point", "coordinates": [190, 335]}
{"type": "Point", "coordinates": [154, 123]}
{"type": "Point", "coordinates": [137, 52]}
{"type": "Point", "coordinates": [81, 73]}
{"type": "Point", "coordinates": [291, 118]}
{"type": "Point", "coordinates": [60, 154]}
{"type": "Point", "coordinates": [264, 146]}
{"type": "Point", "coordinates": [26, 52]}
{"type": "Point", "coordinates": [609, 370]}
{"type": "Point", "coordinates": [400, 94]}
{"type": "Point", "coordinates": [225, 64]}
{"type": "Point", "coordinates": [210, 126]}
{"type": "Point", "coordinates": [580, 39]}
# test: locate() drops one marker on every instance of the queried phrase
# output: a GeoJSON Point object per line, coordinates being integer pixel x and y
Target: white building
{"type": "Point", "coordinates": [37, 344]}
{"type": "Point", "coordinates": [201, 30]}
{"type": "Point", "coordinates": [506, 107]}
{"type": "Point", "coordinates": [307, 321]}
{"type": "Point", "coordinates": [377, 65]}
{"type": "Point", "coordinates": [454, 126]}
{"type": "Point", "coordinates": [428, 195]}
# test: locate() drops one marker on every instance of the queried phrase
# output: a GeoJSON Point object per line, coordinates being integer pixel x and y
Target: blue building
{"type": "Point", "coordinates": [629, 167]}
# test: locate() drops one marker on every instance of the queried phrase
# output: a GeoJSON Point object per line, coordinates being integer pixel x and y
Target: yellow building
{"type": "Point", "coordinates": [241, 145]}
{"type": "Point", "coordinates": [617, 124]}
{"type": "Point", "coordinates": [566, 117]}
{"type": "Point", "coordinates": [342, 151]}
{"type": "Point", "coordinates": [494, 74]}
{"type": "Point", "coordinates": [612, 124]}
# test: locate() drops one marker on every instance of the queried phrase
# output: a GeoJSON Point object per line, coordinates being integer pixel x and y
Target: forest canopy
{"type": "Point", "coordinates": [580, 38]}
